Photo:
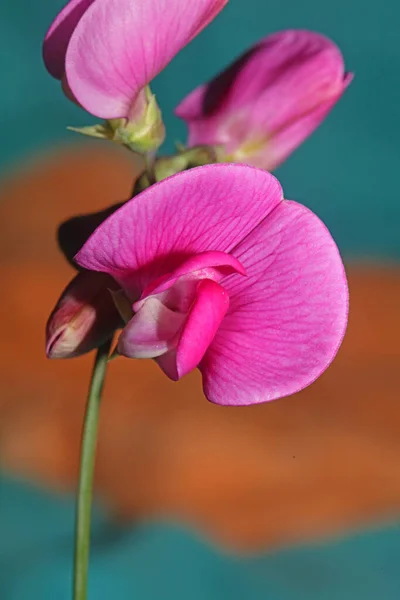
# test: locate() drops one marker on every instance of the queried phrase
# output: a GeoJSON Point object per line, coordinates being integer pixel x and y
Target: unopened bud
{"type": "Point", "coordinates": [84, 317]}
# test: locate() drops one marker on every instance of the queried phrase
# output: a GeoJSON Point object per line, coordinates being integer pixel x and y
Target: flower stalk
{"type": "Point", "coordinates": [85, 486]}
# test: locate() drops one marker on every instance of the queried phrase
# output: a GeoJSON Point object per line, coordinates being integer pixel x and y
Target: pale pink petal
{"type": "Point", "coordinates": [178, 288]}
{"type": "Point", "coordinates": [58, 36]}
{"type": "Point", "coordinates": [273, 87]}
{"type": "Point", "coordinates": [151, 331]}
{"type": "Point", "coordinates": [119, 46]}
{"type": "Point", "coordinates": [205, 317]}
{"type": "Point", "coordinates": [207, 208]}
{"type": "Point", "coordinates": [286, 319]}
{"type": "Point", "coordinates": [178, 297]}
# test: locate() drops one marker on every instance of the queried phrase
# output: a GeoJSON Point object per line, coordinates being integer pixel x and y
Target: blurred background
{"type": "Point", "coordinates": [295, 499]}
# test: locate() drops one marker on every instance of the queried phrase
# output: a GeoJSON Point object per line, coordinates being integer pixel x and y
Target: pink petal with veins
{"type": "Point", "coordinates": [256, 337]}
{"type": "Point", "coordinates": [210, 208]}
{"type": "Point", "coordinates": [286, 319]}
{"type": "Point", "coordinates": [111, 49]}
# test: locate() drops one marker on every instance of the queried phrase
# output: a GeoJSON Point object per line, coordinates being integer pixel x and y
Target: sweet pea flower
{"type": "Point", "coordinates": [269, 101]}
{"type": "Point", "coordinates": [106, 52]}
{"type": "Point", "coordinates": [84, 317]}
{"type": "Point", "coordinates": [219, 272]}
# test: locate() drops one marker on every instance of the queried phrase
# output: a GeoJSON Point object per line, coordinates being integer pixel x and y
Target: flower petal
{"type": "Point", "coordinates": [119, 46]}
{"type": "Point", "coordinates": [208, 310]}
{"type": "Point", "coordinates": [207, 208]}
{"type": "Point", "coordinates": [291, 78]}
{"type": "Point", "coordinates": [206, 265]}
{"type": "Point", "coordinates": [57, 37]}
{"type": "Point", "coordinates": [287, 139]}
{"type": "Point", "coordinates": [156, 330]}
{"type": "Point", "coordinates": [305, 70]}
{"type": "Point", "coordinates": [286, 319]}
{"type": "Point", "coordinates": [151, 331]}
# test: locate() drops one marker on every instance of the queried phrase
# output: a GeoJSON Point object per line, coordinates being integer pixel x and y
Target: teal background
{"type": "Point", "coordinates": [160, 561]}
{"type": "Point", "coordinates": [347, 171]}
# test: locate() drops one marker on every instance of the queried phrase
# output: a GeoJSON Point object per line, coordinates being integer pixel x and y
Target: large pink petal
{"type": "Point", "coordinates": [286, 319]}
{"type": "Point", "coordinates": [119, 46]}
{"type": "Point", "coordinates": [57, 37]}
{"type": "Point", "coordinates": [207, 208]}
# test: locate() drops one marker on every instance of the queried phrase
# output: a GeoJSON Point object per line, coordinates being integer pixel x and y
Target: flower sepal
{"type": "Point", "coordinates": [186, 158]}
{"type": "Point", "coordinates": [142, 132]}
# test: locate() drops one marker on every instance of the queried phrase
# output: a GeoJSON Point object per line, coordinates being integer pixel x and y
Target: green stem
{"type": "Point", "coordinates": [88, 453]}
{"type": "Point", "coordinates": [149, 160]}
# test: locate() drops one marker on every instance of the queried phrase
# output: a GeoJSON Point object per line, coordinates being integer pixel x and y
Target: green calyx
{"type": "Point", "coordinates": [165, 166]}
{"type": "Point", "coordinates": [142, 132]}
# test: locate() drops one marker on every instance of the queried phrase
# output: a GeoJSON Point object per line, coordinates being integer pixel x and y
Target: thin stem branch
{"type": "Point", "coordinates": [85, 486]}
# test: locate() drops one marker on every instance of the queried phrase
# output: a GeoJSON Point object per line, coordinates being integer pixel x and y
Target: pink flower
{"type": "Point", "coordinates": [270, 100]}
{"type": "Point", "coordinates": [223, 274]}
{"type": "Point", "coordinates": [109, 50]}
{"type": "Point", "coordinates": [84, 317]}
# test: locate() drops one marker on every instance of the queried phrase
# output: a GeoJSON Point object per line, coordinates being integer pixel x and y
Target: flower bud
{"type": "Point", "coordinates": [84, 317]}
{"type": "Point", "coordinates": [260, 109]}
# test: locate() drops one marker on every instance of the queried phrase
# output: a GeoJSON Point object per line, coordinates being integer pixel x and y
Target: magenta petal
{"type": "Point", "coordinates": [208, 310]}
{"type": "Point", "coordinates": [286, 319]}
{"type": "Point", "coordinates": [207, 208]}
{"type": "Point", "coordinates": [206, 265]}
{"type": "Point", "coordinates": [167, 362]}
{"type": "Point", "coordinates": [119, 46]}
{"type": "Point", "coordinates": [151, 331]}
{"type": "Point", "coordinates": [58, 36]}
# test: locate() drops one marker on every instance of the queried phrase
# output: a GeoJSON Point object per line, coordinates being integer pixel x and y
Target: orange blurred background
{"type": "Point", "coordinates": [318, 462]}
